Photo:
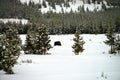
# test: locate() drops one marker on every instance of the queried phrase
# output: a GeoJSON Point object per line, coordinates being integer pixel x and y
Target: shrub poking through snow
{"type": "Point", "coordinates": [103, 75]}
{"type": "Point", "coordinates": [78, 43]}
{"type": "Point", "coordinates": [11, 49]}
{"type": "Point", "coordinates": [27, 61]}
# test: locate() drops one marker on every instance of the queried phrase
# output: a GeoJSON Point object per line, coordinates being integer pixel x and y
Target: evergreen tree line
{"type": "Point", "coordinates": [21, 28]}
{"type": "Point", "coordinates": [85, 22]}
{"type": "Point", "coordinates": [16, 9]}
{"type": "Point", "coordinates": [62, 23]}
{"type": "Point", "coordinates": [67, 23]}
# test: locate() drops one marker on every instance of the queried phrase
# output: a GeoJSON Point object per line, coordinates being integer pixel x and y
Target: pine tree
{"type": "Point", "coordinates": [89, 1]}
{"type": "Point", "coordinates": [104, 7]}
{"type": "Point", "coordinates": [44, 4]}
{"type": "Point", "coordinates": [29, 43]}
{"type": "Point", "coordinates": [78, 45]}
{"type": "Point", "coordinates": [111, 39]}
{"type": "Point", "coordinates": [11, 49]}
{"type": "Point", "coordinates": [118, 44]}
{"type": "Point", "coordinates": [1, 49]}
{"type": "Point", "coordinates": [42, 40]}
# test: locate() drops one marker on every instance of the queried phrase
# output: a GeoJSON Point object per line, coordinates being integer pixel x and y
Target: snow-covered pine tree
{"type": "Point", "coordinates": [78, 43]}
{"type": "Point", "coordinates": [11, 49]}
{"type": "Point", "coordinates": [42, 40]}
{"type": "Point", "coordinates": [111, 39]}
{"type": "Point", "coordinates": [29, 43]}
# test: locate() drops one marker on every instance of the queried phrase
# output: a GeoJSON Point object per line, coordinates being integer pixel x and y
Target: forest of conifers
{"type": "Point", "coordinates": [92, 22]}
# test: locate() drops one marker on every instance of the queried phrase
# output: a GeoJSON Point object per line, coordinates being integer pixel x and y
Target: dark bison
{"type": "Point", "coordinates": [57, 43]}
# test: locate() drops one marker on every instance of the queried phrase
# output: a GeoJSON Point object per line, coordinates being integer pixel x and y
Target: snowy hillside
{"type": "Point", "coordinates": [73, 6]}
{"type": "Point", "coordinates": [93, 64]}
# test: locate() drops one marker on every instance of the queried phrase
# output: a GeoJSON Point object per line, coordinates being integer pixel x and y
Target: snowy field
{"type": "Point", "coordinates": [93, 64]}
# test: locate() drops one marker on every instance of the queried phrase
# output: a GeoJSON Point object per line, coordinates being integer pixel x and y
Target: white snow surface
{"type": "Point", "coordinates": [12, 20]}
{"type": "Point", "coordinates": [93, 64]}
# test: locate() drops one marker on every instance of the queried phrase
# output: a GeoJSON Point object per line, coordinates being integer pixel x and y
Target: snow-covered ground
{"type": "Point", "coordinates": [6, 20]}
{"type": "Point", "coordinates": [93, 64]}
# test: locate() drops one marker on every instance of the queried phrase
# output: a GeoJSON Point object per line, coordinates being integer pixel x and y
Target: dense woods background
{"type": "Point", "coordinates": [93, 22]}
